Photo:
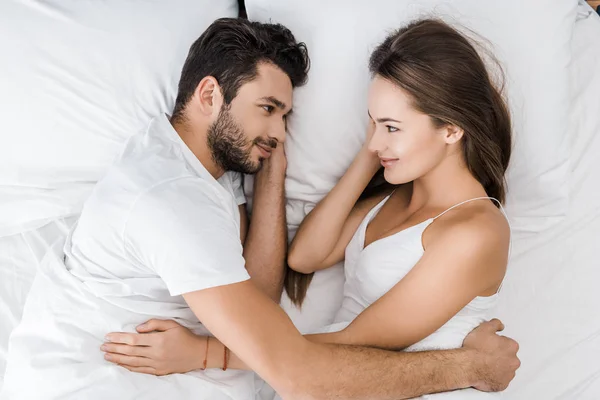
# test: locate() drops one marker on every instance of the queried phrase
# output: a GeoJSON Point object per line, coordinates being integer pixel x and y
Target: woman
{"type": "Point", "coordinates": [425, 251]}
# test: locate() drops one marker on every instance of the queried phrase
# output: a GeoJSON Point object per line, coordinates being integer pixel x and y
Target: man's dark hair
{"type": "Point", "coordinates": [230, 51]}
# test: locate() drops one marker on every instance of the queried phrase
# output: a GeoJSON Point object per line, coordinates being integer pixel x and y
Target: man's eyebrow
{"type": "Point", "coordinates": [273, 100]}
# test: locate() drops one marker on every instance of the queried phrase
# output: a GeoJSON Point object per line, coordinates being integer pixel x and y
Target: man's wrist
{"type": "Point", "coordinates": [471, 363]}
{"type": "Point", "coordinates": [270, 178]}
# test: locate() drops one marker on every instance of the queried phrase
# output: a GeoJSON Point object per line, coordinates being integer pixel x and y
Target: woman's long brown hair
{"type": "Point", "coordinates": [447, 80]}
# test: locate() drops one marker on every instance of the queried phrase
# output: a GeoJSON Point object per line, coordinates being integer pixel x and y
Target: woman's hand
{"type": "Point", "coordinates": [161, 347]}
{"type": "Point", "coordinates": [323, 235]}
{"type": "Point", "coordinates": [369, 161]}
{"type": "Point", "coordinates": [367, 157]}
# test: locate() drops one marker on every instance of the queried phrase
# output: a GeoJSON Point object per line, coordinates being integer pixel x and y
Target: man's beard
{"type": "Point", "coordinates": [229, 147]}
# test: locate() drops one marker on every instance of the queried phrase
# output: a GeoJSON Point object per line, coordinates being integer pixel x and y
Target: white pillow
{"type": "Point", "coordinates": [78, 78]}
{"type": "Point", "coordinates": [530, 38]}
{"type": "Point", "coordinates": [327, 128]}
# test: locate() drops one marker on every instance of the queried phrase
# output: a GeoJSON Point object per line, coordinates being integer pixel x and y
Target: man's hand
{"type": "Point", "coordinates": [496, 360]}
{"type": "Point", "coordinates": [274, 167]}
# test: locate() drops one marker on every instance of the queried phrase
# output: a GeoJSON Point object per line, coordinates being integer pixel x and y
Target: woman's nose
{"type": "Point", "coordinates": [377, 142]}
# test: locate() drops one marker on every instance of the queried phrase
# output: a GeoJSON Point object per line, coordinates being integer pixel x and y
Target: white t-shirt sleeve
{"type": "Point", "coordinates": [179, 230]}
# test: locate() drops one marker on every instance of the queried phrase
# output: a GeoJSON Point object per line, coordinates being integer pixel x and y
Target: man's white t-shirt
{"type": "Point", "coordinates": [159, 213]}
{"type": "Point", "coordinates": [158, 225]}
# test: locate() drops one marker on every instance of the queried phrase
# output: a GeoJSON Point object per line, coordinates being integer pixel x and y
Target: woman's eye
{"type": "Point", "coordinates": [268, 109]}
{"type": "Point", "coordinates": [391, 128]}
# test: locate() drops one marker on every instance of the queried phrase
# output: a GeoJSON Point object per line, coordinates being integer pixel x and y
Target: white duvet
{"type": "Point", "coordinates": [58, 343]}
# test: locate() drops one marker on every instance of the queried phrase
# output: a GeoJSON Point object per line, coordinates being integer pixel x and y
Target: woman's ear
{"type": "Point", "coordinates": [453, 134]}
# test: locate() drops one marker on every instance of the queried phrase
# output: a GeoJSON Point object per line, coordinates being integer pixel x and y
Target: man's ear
{"type": "Point", "coordinates": [452, 134]}
{"type": "Point", "coordinates": [208, 97]}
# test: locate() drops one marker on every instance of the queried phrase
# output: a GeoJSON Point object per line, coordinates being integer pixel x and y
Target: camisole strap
{"type": "Point", "coordinates": [501, 209]}
{"type": "Point", "coordinates": [470, 200]}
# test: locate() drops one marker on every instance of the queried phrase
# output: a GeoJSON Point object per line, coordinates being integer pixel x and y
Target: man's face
{"type": "Point", "coordinates": [248, 129]}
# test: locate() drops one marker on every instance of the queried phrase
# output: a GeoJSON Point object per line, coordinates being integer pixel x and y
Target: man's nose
{"type": "Point", "coordinates": [278, 131]}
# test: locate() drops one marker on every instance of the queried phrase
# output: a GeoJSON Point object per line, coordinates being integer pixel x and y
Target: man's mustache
{"type": "Point", "coordinates": [269, 143]}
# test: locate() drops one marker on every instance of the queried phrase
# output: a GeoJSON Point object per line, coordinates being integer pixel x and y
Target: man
{"type": "Point", "coordinates": [160, 238]}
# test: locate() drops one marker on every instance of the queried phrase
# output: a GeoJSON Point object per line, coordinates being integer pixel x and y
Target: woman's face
{"type": "Point", "coordinates": [406, 141]}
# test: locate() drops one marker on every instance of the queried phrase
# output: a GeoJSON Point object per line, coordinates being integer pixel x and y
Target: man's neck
{"type": "Point", "coordinates": [197, 142]}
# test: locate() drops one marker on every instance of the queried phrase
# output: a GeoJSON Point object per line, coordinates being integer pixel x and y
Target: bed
{"type": "Point", "coordinates": [550, 297]}
{"type": "Point", "coordinates": [552, 281]}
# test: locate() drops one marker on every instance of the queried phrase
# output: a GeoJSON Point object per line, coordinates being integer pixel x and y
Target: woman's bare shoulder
{"type": "Point", "coordinates": [478, 222]}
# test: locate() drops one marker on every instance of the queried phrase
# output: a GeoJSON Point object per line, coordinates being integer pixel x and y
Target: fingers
{"type": "Point", "coordinates": [137, 351]}
{"type": "Point", "coordinates": [142, 370]}
{"type": "Point", "coordinates": [516, 346]}
{"type": "Point", "coordinates": [512, 345]}
{"type": "Point", "coordinates": [493, 326]}
{"type": "Point", "coordinates": [160, 325]}
{"type": "Point", "coordinates": [517, 363]}
{"type": "Point", "coordinates": [131, 339]}
{"type": "Point", "coordinates": [128, 360]}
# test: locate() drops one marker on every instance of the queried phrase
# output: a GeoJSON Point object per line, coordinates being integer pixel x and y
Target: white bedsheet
{"type": "Point", "coordinates": [553, 280]}
{"type": "Point", "coordinates": [550, 299]}
{"type": "Point", "coordinates": [19, 258]}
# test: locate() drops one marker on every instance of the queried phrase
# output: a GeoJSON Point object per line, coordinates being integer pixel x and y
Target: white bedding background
{"type": "Point", "coordinates": [20, 255]}
{"type": "Point", "coordinates": [77, 78]}
{"type": "Point", "coordinates": [550, 298]}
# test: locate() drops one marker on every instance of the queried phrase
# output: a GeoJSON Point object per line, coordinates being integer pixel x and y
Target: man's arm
{"type": "Point", "coordinates": [264, 338]}
{"type": "Point", "coordinates": [256, 328]}
{"type": "Point", "coordinates": [266, 243]}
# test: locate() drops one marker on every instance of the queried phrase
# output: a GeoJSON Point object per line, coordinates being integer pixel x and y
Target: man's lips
{"type": "Point", "coordinates": [265, 150]}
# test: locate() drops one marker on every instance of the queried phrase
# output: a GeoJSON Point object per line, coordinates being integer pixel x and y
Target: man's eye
{"type": "Point", "coordinates": [268, 109]}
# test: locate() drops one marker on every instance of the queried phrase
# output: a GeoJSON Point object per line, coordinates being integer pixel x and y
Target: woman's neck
{"type": "Point", "coordinates": [449, 183]}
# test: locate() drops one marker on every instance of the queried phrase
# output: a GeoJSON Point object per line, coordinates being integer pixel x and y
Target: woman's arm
{"type": "Point", "coordinates": [464, 261]}
{"type": "Point", "coordinates": [325, 232]}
